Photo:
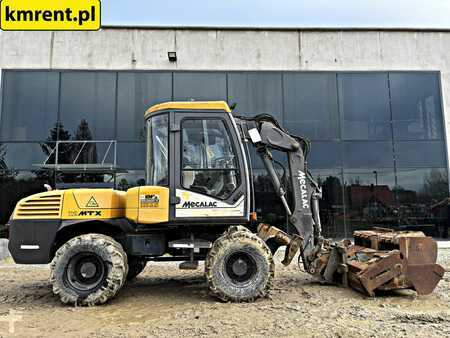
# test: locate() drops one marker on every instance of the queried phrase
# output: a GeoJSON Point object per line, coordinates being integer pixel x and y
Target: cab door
{"type": "Point", "coordinates": [209, 178]}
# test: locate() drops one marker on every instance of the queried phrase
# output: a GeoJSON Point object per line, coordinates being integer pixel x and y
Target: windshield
{"type": "Point", "coordinates": [157, 150]}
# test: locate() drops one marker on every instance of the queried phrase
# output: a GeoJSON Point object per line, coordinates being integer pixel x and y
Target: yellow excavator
{"type": "Point", "coordinates": [199, 204]}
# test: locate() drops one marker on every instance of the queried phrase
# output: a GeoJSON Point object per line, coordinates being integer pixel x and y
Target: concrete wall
{"type": "Point", "coordinates": [219, 49]}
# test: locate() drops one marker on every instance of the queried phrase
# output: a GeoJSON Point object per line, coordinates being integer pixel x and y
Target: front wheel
{"type": "Point", "coordinates": [239, 267]}
{"type": "Point", "coordinates": [88, 270]}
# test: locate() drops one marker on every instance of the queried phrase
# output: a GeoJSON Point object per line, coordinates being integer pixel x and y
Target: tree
{"type": "Point", "coordinates": [435, 186]}
{"type": "Point", "coordinates": [6, 174]}
{"type": "Point", "coordinates": [58, 132]}
{"type": "Point", "coordinates": [88, 154]}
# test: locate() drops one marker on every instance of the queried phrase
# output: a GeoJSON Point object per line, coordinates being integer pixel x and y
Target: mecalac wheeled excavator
{"type": "Point", "coordinates": [198, 204]}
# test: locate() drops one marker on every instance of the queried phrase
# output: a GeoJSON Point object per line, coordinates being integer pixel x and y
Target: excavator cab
{"type": "Point", "coordinates": [194, 150]}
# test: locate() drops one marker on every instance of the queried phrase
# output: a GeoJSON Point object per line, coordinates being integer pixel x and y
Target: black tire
{"type": "Point", "coordinates": [239, 267]}
{"type": "Point", "coordinates": [88, 270]}
{"type": "Point", "coordinates": [135, 266]}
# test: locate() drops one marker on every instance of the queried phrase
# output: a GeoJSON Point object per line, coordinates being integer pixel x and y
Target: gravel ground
{"type": "Point", "coordinates": [167, 302]}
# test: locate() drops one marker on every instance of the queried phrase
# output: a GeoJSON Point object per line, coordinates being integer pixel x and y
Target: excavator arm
{"type": "Point", "coordinates": [264, 132]}
{"type": "Point", "coordinates": [380, 259]}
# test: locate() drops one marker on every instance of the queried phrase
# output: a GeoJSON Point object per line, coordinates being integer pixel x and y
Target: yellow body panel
{"type": "Point", "coordinates": [194, 105]}
{"type": "Point", "coordinates": [148, 204]}
{"type": "Point", "coordinates": [93, 204]}
{"type": "Point", "coordinates": [45, 205]}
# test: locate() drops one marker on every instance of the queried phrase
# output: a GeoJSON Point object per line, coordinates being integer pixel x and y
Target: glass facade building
{"type": "Point", "coordinates": [378, 140]}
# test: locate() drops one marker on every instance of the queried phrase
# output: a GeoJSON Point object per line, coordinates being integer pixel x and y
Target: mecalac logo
{"type": "Point", "coordinates": [303, 189]}
{"type": "Point", "coordinates": [189, 204]}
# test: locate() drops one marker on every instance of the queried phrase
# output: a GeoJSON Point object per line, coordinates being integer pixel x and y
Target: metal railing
{"type": "Point", "coordinates": [81, 155]}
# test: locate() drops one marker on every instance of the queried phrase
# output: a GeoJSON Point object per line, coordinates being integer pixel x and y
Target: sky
{"type": "Point", "coordinates": [278, 13]}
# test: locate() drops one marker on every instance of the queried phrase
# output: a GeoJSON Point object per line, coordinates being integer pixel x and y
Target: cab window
{"type": "Point", "coordinates": [209, 163]}
{"type": "Point", "coordinates": [157, 150]}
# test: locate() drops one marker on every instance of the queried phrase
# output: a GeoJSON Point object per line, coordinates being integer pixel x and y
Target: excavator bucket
{"type": "Point", "coordinates": [382, 259]}
{"type": "Point", "coordinates": [378, 260]}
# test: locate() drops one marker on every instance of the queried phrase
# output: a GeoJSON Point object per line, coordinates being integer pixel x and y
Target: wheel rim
{"type": "Point", "coordinates": [240, 267]}
{"type": "Point", "coordinates": [86, 272]}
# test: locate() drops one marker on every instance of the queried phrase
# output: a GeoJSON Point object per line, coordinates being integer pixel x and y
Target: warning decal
{"type": "Point", "coordinates": [92, 203]}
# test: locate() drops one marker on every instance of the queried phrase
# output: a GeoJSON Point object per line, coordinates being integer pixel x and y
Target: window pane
{"type": "Point", "coordinates": [206, 145]}
{"type": "Point", "coordinates": [130, 179]}
{"type": "Point", "coordinates": [67, 180]}
{"type": "Point", "coordinates": [217, 183]}
{"type": "Point", "coordinates": [256, 93]}
{"type": "Point", "coordinates": [158, 150]}
{"type": "Point", "coordinates": [369, 198]}
{"type": "Point", "coordinates": [416, 106]}
{"type": "Point", "coordinates": [311, 107]}
{"type": "Point", "coordinates": [364, 106]}
{"type": "Point", "coordinates": [136, 93]}
{"type": "Point", "coordinates": [277, 155]}
{"type": "Point", "coordinates": [268, 205]}
{"type": "Point", "coordinates": [131, 155]}
{"type": "Point", "coordinates": [199, 86]}
{"type": "Point", "coordinates": [368, 154]}
{"type": "Point", "coordinates": [331, 203]}
{"type": "Point", "coordinates": [420, 154]}
{"type": "Point", "coordinates": [22, 155]}
{"type": "Point", "coordinates": [88, 104]}
{"type": "Point", "coordinates": [30, 105]}
{"type": "Point", "coordinates": [423, 205]}
{"type": "Point", "coordinates": [325, 155]}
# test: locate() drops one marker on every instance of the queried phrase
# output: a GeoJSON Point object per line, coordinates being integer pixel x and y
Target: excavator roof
{"type": "Point", "coordinates": [189, 105]}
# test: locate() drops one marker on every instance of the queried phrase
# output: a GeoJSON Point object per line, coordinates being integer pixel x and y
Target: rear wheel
{"type": "Point", "coordinates": [239, 267]}
{"type": "Point", "coordinates": [88, 270]}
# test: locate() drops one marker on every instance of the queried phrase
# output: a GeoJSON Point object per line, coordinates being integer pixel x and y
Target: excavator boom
{"type": "Point", "coordinates": [379, 259]}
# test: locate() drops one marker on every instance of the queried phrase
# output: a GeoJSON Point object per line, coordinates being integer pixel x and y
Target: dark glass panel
{"type": "Point", "coordinates": [278, 156]}
{"type": "Point", "coordinates": [130, 179]}
{"type": "Point", "coordinates": [331, 204]}
{"type": "Point", "coordinates": [311, 107]}
{"type": "Point", "coordinates": [416, 106]}
{"type": "Point", "coordinates": [423, 200]}
{"type": "Point", "coordinates": [369, 198]}
{"type": "Point", "coordinates": [25, 156]}
{"type": "Point", "coordinates": [256, 93]}
{"type": "Point", "coordinates": [88, 104]}
{"type": "Point", "coordinates": [131, 155]}
{"type": "Point", "coordinates": [268, 205]}
{"type": "Point", "coordinates": [16, 185]}
{"type": "Point", "coordinates": [368, 154]}
{"type": "Point", "coordinates": [30, 105]}
{"type": "Point", "coordinates": [136, 93]}
{"type": "Point", "coordinates": [420, 154]}
{"type": "Point", "coordinates": [67, 180]}
{"type": "Point", "coordinates": [325, 155]}
{"type": "Point", "coordinates": [199, 86]}
{"type": "Point", "coordinates": [364, 106]}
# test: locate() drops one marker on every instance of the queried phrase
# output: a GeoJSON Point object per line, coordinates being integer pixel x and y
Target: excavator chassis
{"type": "Point", "coordinates": [379, 260]}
